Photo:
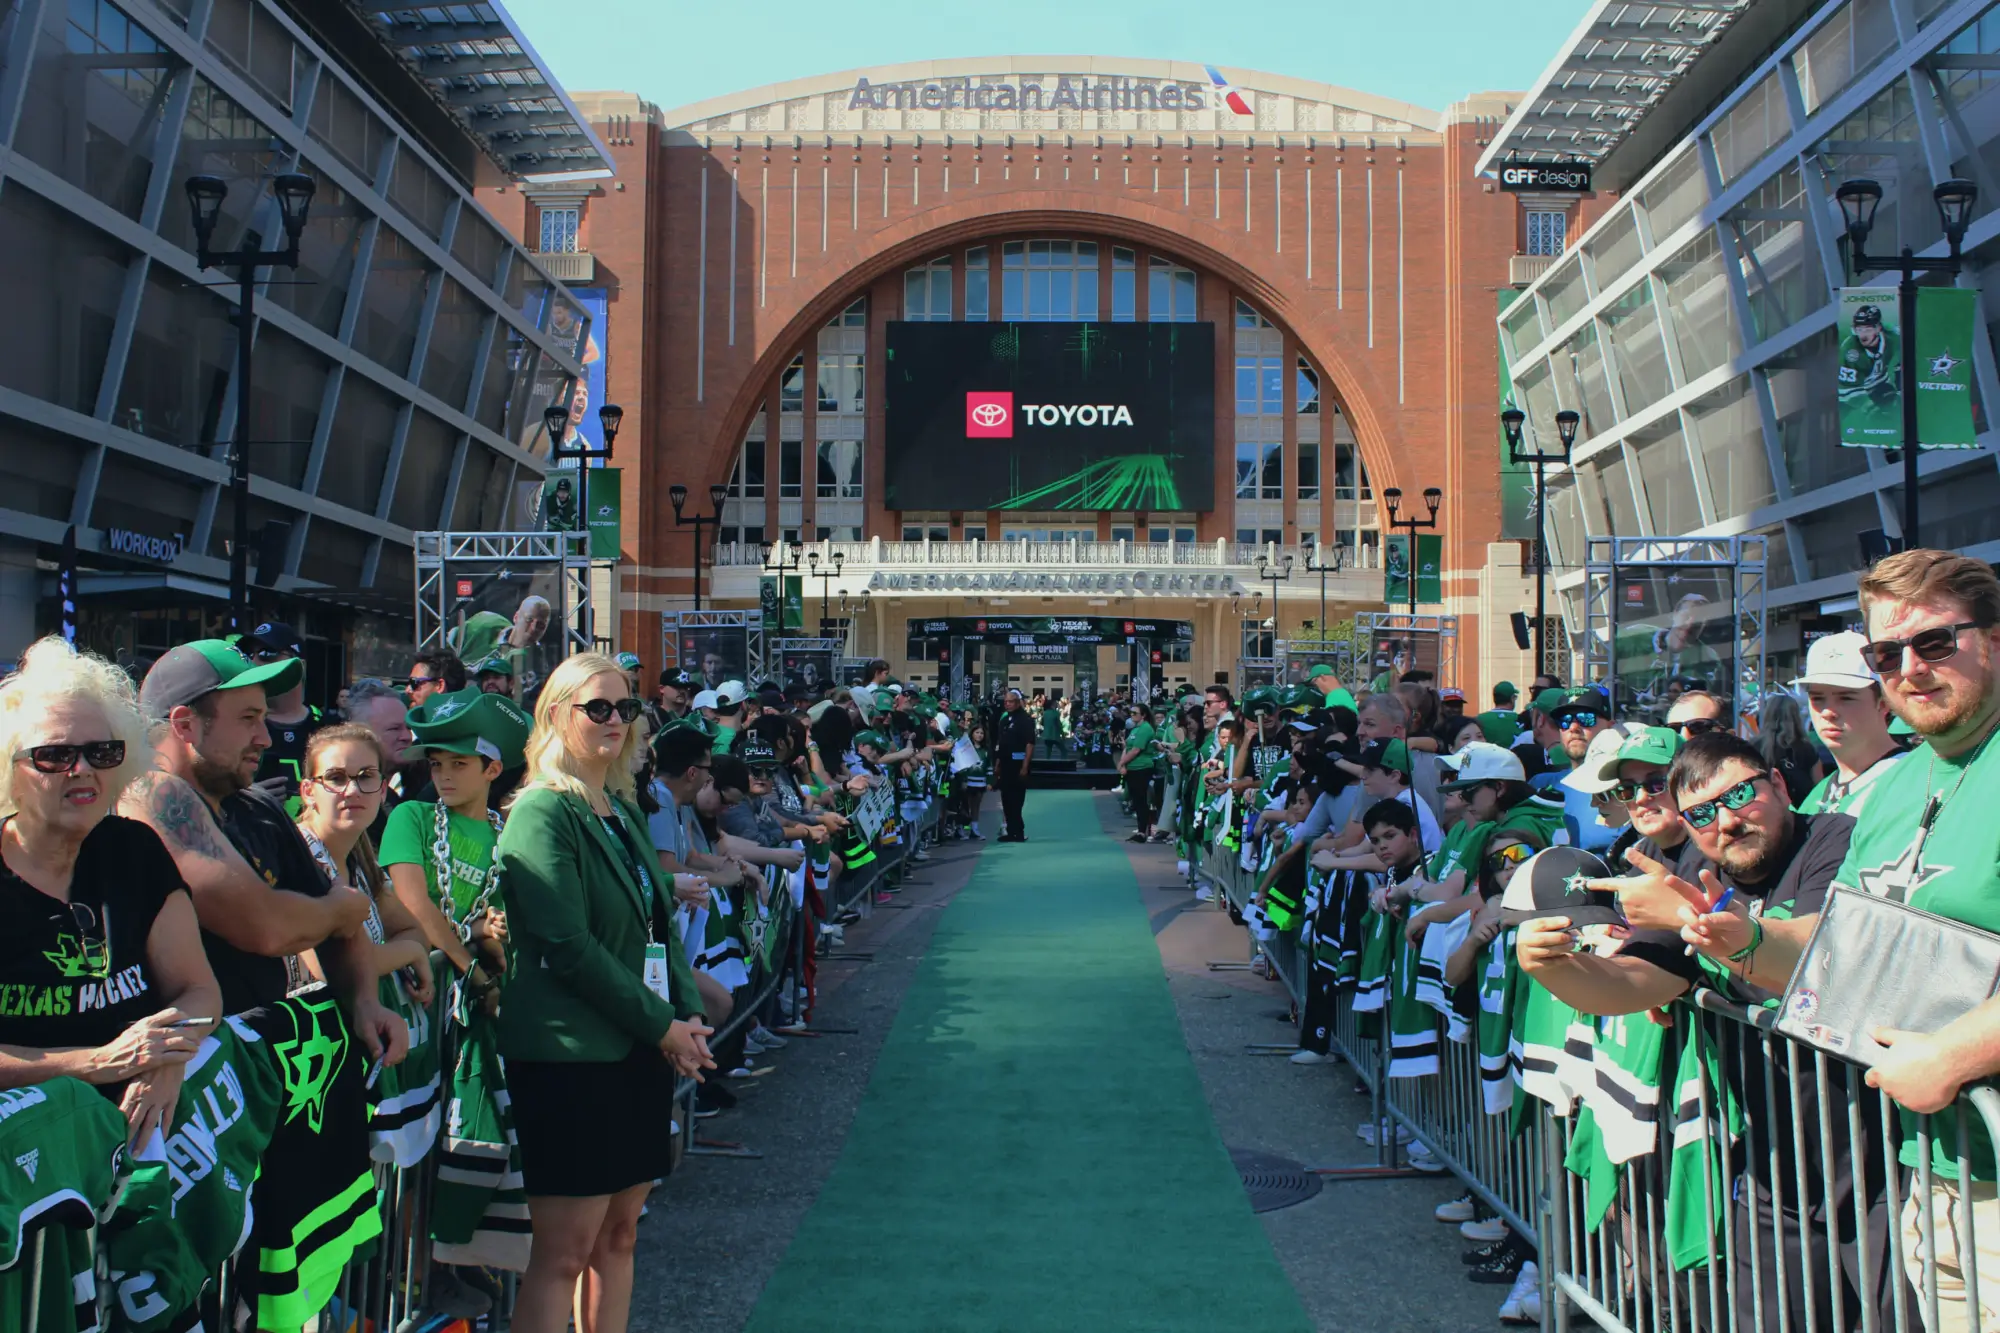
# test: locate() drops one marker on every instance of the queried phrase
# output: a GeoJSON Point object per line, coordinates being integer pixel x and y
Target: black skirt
{"type": "Point", "coordinates": [587, 1129]}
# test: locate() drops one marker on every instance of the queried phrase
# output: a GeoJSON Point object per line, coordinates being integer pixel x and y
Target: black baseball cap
{"type": "Point", "coordinates": [677, 678]}
{"type": "Point", "coordinates": [206, 665]}
{"type": "Point", "coordinates": [756, 752]}
{"type": "Point", "coordinates": [273, 636]}
{"type": "Point", "coordinates": [1552, 883]}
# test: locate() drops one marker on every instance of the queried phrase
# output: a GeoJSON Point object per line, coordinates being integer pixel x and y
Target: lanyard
{"type": "Point", "coordinates": [625, 851]}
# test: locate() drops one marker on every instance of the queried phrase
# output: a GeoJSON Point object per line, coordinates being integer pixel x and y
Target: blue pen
{"type": "Point", "coordinates": [1722, 903]}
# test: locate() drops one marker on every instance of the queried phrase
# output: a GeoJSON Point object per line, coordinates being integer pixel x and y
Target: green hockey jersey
{"type": "Point", "coordinates": [1627, 1057]}
{"type": "Point", "coordinates": [479, 1208]}
{"type": "Point", "coordinates": [62, 1147]}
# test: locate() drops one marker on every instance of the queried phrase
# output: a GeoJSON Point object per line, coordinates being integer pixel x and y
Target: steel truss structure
{"type": "Point", "coordinates": [672, 623]}
{"type": "Point", "coordinates": [1298, 654]}
{"type": "Point", "coordinates": [1372, 625]}
{"type": "Point", "coordinates": [1606, 557]}
{"type": "Point", "coordinates": [443, 558]}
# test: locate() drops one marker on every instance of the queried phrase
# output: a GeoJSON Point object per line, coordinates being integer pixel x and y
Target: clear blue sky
{"type": "Point", "coordinates": [1430, 52]}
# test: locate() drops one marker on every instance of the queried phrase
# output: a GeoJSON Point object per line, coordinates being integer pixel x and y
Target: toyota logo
{"type": "Point", "coordinates": [990, 415]}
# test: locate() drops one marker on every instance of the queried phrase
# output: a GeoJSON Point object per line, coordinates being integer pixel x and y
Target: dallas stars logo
{"type": "Point", "coordinates": [80, 957]}
{"type": "Point", "coordinates": [447, 709]}
{"type": "Point", "coordinates": [1577, 885]}
{"type": "Point", "coordinates": [310, 1058]}
{"type": "Point", "coordinates": [1943, 364]}
{"type": "Point", "coordinates": [1900, 878]}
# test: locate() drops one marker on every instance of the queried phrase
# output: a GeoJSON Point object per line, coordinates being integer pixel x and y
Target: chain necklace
{"type": "Point", "coordinates": [441, 868]}
{"type": "Point", "coordinates": [1936, 801]}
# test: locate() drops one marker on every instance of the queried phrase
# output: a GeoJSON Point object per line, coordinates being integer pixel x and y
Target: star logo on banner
{"type": "Point", "coordinates": [1901, 878]}
{"type": "Point", "coordinates": [310, 1059]}
{"type": "Point", "coordinates": [1943, 364]}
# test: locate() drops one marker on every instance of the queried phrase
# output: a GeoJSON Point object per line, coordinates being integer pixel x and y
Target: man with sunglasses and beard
{"type": "Point", "coordinates": [1928, 836]}
{"type": "Point", "coordinates": [1775, 867]}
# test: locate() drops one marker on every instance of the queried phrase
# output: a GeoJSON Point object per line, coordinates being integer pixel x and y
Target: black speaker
{"type": "Point", "coordinates": [1522, 638]}
{"type": "Point", "coordinates": [268, 555]}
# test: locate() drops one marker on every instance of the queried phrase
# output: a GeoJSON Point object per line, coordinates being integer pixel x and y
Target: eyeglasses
{"type": "Point", "coordinates": [367, 781]}
{"type": "Point", "coordinates": [418, 682]}
{"type": "Point", "coordinates": [1511, 855]}
{"type": "Point", "coordinates": [1930, 645]}
{"type": "Point", "coordinates": [1582, 717]}
{"type": "Point", "coordinates": [1627, 792]}
{"type": "Point", "coordinates": [62, 758]}
{"type": "Point", "coordinates": [1697, 726]}
{"type": "Point", "coordinates": [600, 710]}
{"type": "Point", "coordinates": [1703, 813]}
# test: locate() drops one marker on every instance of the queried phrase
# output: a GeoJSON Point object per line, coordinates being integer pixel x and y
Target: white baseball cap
{"type": "Point", "coordinates": [1836, 661]}
{"type": "Point", "coordinates": [705, 699]}
{"type": "Point", "coordinates": [730, 693]}
{"type": "Point", "coordinates": [1482, 762]}
{"type": "Point", "coordinates": [1588, 775]}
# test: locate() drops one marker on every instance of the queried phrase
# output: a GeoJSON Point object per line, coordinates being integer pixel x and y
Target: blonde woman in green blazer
{"type": "Point", "coordinates": [600, 1009]}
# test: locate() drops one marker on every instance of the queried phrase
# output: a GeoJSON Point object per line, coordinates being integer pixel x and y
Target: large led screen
{"type": "Point", "coordinates": [1051, 416]}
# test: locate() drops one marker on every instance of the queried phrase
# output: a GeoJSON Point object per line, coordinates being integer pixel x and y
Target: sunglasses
{"type": "Point", "coordinates": [367, 781]}
{"type": "Point", "coordinates": [1697, 726]}
{"type": "Point", "coordinates": [418, 682]}
{"type": "Point", "coordinates": [1582, 717]}
{"type": "Point", "coordinates": [1930, 645]}
{"type": "Point", "coordinates": [1703, 813]}
{"type": "Point", "coordinates": [62, 758]}
{"type": "Point", "coordinates": [600, 710]}
{"type": "Point", "coordinates": [1511, 855]}
{"type": "Point", "coordinates": [1627, 792]}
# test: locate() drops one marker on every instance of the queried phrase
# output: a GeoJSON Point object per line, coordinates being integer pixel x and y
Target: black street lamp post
{"type": "Point", "coordinates": [1393, 498]}
{"type": "Point", "coordinates": [677, 496]}
{"type": "Point", "coordinates": [1314, 565]}
{"type": "Point", "coordinates": [205, 194]}
{"type": "Point", "coordinates": [555, 420]}
{"type": "Point", "coordinates": [1858, 199]}
{"type": "Point", "coordinates": [825, 576]}
{"type": "Point", "coordinates": [1567, 422]}
{"type": "Point", "coordinates": [1272, 574]}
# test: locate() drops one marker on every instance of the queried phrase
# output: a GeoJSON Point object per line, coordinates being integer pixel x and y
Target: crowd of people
{"type": "Point", "coordinates": [1553, 888]}
{"type": "Point", "coordinates": [256, 946]}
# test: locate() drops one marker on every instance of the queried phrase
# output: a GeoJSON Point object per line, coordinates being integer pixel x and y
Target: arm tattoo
{"type": "Point", "coordinates": [177, 814]}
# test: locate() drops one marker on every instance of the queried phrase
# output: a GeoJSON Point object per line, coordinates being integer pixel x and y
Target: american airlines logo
{"type": "Point", "coordinates": [991, 416]}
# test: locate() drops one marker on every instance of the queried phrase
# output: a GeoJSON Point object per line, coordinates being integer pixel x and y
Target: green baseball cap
{"type": "Point", "coordinates": [1642, 745]}
{"type": "Point", "coordinates": [497, 664]}
{"type": "Point", "coordinates": [1549, 700]}
{"type": "Point", "coordinates": [628, 661]}
{"type": "Point", "coordinates": [1389, 754]}
{"type": "Point", "coordinates": [1506, 689]}
{"type": "Point", "coordinates": [473, 722]}
{"type": "Point", "coordinates": [874, 738]}
{"type": "Point", "coordinates": [1499, 726]}
{"type": "Point", "coordinates": [1318, 669]}
{"type": "Point", "coordinates": [206, 665]}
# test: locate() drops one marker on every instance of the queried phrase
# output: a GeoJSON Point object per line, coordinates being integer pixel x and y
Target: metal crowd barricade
{"type": "Point", "coordinates": [1764, 1120]}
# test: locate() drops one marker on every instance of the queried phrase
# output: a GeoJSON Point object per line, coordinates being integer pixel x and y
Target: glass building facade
{"type": "Point", "coordinates": [1692, 324]}
{"type": "Point", "coordinates": [400, 371]}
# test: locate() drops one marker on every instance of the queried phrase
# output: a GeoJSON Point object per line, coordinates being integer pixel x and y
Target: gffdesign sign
{"type": "Point", "coordinates": [1558, 177]}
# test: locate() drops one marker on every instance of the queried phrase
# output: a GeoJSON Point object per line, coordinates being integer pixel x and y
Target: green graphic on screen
{"type": "Point", "coordinates": [1082, 416]}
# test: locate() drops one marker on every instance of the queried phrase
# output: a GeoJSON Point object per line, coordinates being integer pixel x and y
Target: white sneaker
{"type": "Point", "coordinates": [1524, 1299]}
{"type": "Point", "coordinates": [1371, 1135]}
{"type": "Point", "coordinates": [768, 1039]}
{"type": "Point", "coordinates": [1458, 1210]}
{"type": "Point", "coordinates": [1484, 1231]}
{"type": "Point", "coordinates": [1304, 1057]}
{"type": "Point", "coordinates": [829, 931]}
{"type": "Point", "coordinates": [1181, 869]}
{"type": "Point", "coordinates": [1420, 1159]}
{"type": "Point", "coordinates": [1204, 894]}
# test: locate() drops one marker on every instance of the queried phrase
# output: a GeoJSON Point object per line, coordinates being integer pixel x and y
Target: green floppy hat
{"type": "Point", "coordinates": [473, 722]}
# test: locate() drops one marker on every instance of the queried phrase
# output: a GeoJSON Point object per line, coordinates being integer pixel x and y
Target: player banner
{"type": "Point", "coordinates": [1870, 368]}
{"type": "Point", "coordinates": [1396, 567]}
{"type": "Point", "coordinates": [1676, 629]}
{"type": "Point", "coordinates": [1517, 480]}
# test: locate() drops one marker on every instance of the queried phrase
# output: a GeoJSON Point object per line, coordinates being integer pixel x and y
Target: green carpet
{"type": "Point", "coordinates": [1034, 1150]}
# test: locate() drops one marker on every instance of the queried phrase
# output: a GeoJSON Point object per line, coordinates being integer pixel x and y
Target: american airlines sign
{"type": "Point", "coordinates": [992, 416]}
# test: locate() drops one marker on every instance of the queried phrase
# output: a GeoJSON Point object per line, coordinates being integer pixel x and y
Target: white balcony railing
{"type": "Point", "coordinates": [1093, 555]}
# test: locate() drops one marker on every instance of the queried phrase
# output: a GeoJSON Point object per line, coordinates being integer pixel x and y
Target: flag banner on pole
{"type": "Point", "coordinates": [1517, 480]}
{"type": "Point", "coordinates": [1869, 368]}
{"type": "Point", "coordinates": [1396, 566]}
{"type": "Point", "coordinates": [767, 602]}
{"type": "Point", "coordinates": [66, 584]}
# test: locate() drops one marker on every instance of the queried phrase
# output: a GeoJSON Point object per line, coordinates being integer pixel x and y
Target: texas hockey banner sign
{"type": "Point", "coordinates": [1869, 367]}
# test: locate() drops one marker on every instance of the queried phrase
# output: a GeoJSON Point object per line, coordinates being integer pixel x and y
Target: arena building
{"type": "Point", "coordinates": [801, 284]}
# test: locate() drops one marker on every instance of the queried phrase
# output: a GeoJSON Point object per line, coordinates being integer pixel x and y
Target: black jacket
{"type": "Point", "coordinates": [1016, 736]}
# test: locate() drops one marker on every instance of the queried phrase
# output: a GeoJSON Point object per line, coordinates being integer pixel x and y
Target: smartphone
{"type": "Point", "coordinates": [193, 1023]}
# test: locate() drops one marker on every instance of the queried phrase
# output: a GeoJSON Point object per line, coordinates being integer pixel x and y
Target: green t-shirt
{"type": "Point", "coordinates": [1953, 876]}
{"type": "Point", "coordinates": [406, 840]}
{"type": "Point", "coordinates": [724, 738]}
{"type": "Point", "coordinates": [1140, 738]}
